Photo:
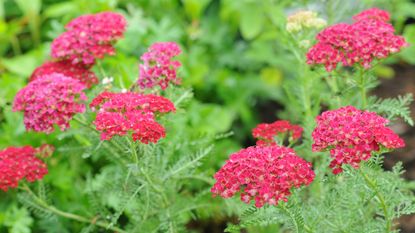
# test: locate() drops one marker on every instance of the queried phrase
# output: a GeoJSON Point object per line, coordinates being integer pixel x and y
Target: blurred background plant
{"type": "Point", "coordinates": [236, 58]}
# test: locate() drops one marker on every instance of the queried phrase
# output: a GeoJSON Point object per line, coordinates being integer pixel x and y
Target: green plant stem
{"type": "Point", "coordinates": [75, 217]}
{"type": "Point", "coordinates": [291, 215]}
{"type": "Point", "coordinates": [372, 185]}
{"type": "Point", "coordinates": [362, 88]}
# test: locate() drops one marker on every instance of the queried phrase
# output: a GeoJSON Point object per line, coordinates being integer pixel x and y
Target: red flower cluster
{"type": "Point", "coordinates": [159, 68]}
{"type": "Point", "coordinates": [373, 13]}
{"type": "Point", "coordinates": [17, 163]}
{"type": "Point", "coordinates": [89, 37]}
{"type": "Point", "coordinates": [369, 38]}
{"type": "Point", "coordinates": [75, 71]}
{"type": "Point", "coordinates": [120, 113]}
{"type": "Point", "coordinates": [263, 174]}
{"type": "Point", "coordinates": [266, 133]}
{"type": "Point", "coordinates": [351, 135]}
{"type": "Point", "coordinates": [48, 100]}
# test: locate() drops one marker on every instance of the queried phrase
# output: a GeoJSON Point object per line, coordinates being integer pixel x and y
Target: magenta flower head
{"type": "Point", "coordinates": [121, 113]}
{"type": "Point", "coordinates": [373, 13]}
{"type": "Point", "coordinates": [370, 38]}
{"type": "Point", "coordinates": [18, 163]}
{"type": "Point", "coordinates": [351, 135]}
{"type": "Point", "coordinates": [263, 174]}
{"type": "Point", "coordinates": [267, 133]}
{"type": "Point", "coordinates": [66, 68]}
{"type": "Point", "coordinates": [49, 100]}
{"type": "Point", "coordinates": [89, 37]}
{"type": "Point", "coordinates": [158, 66]}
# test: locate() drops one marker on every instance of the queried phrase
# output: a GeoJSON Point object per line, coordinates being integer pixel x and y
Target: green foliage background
{"type": "Point", "coordinates": [235, 58]}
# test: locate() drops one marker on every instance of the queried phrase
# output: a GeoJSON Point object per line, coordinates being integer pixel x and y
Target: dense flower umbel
{"type": "Point", "coordinates": [75, 71]}
{"type": "Point", "coordinates": [266, 133]}
{"type": "Point", "coordinates": [263, 174]}
{"type": "Point", "coordinates": [352, 135]}
{"type": "Point", "coordinates": [304, 20]}
{"type": "Point", "coordinates": [17, 163]}
{"type": "Point", "coordinates": [48, 100]}
{"type": "Point", "coordinates": [159, 68]}
{"type": "Point", "coordinates": [373, 13]}
{"type": "Point", "coordinates": [359, 43]}
{"type": "Point", "coordinates": [89, 37]}
{"type": "Point", "coordinates": [121, 113]}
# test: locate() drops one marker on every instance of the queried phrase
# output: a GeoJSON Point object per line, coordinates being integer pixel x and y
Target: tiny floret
{"type": "Point", "coordinates": [158, 66]}
{"type": "Point", "coordinates": [18, 163]}
{"type": "Point", "coordinates": [50, 100]}
{"type": "Point", "coordinates": [262, 174]}
{"type": "Point", "coordinates": [351, 135]}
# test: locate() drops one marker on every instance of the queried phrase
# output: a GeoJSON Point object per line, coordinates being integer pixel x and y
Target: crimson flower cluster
{"type": "Point", "coordinates": [89, 37]}
{"type": "Point", "coordinates": [158, 66]}
{"type": "Point", "coordinates": [352, 135]}
{"type": "Point", "coordinates": [75, 71]}
{"type": "Point", "coordinates": [121, 113]}
{"type": "Point", "coordinates": [263, 174]}
{"type": "Point", "coordinates": [266, 133]}
{"type": "Point", "coordinates": [369, 37]}
{"type": "Point", "coordinates": [17, 163]}
{"type": "Point", "coordinates": [49, 100]}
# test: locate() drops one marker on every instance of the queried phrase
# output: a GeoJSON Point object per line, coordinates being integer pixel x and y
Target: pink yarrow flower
{"type": "Point", "coordinates": [263, 174]}
{"type": "Point", "coordinates": [75, 71]}
{"type": "Point", "coordinates": [158, 66]}
{"type": "Point", "coordinates": [121, 113]}
{"type": "Point", "coordinates": [370, 38]}
{"type": "Point", "coordinates": [50, 100]}
{"type": "Point", "coordinates": [89, 37]}
{"type": "Point", "coordinates": [373, 13]}
{"type": "Point", "coordinates": [351, 135]}
{"type": "Point", "coordinates": [266, 133]}
{"type": "Point", "coordinates": [18, 163]}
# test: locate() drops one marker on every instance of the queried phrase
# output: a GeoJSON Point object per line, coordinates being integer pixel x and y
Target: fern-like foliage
{"type": "Point", "coordinates": [394, 107]}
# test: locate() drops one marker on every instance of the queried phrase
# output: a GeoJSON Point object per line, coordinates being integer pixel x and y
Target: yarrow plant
{"type": "Point", "coordinates": [142, 183]}
{"type": "Point", "coordinates": [352, 135]}
{"type": "Point", "coordinates": [120, 113]}
{"type": "Point", "coordinates": [75, 71]}
{"type": "Point", "coordinates": [268, 133]}
{"type": "Point", "coordinates": [18, 163]}
{"type": "Point", "coordinates": [50, 100]}
{"type": "Point", "coordinates": [263, 174]}
{"type": "Point", "coordinates": [159, 68]}
{"type": "Point", "coordinates": [88, 38]}
{"type": "Point", "coordinates": [362, 42]}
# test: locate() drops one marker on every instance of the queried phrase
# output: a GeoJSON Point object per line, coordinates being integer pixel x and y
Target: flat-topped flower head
{"type": "Point", "coordinates": [351, 135]}
{"type": "Point", "coordinates": [18, 163]}
{"type": "Point", "coordinates": [304, 20]}
{"type": "Point", "coordinates": [89, 37]}
{"type": "Point", "coordinates": [373, 13]}
{"type": "Point", "coordinates": [262, 174]}
{"type": "Point", "coordinates": [75, 71]}
{"type": "Point", "coordinates": [50, 100]}
{"type": "Point", "coordinates": [266, 134]}
{"type": "Point", "coordinates": [123, 113]}
{"type": "Point", "coordinates": [158, 66]}
{"type": "Point", "coordinates": [359, 43]}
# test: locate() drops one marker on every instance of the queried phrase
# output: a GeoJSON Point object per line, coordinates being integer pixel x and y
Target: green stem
{"type": "Point", "coordinates": [294, 221]}
{"type": "Point", "coordinates": [362, 88]}
{"type": "Point", "coordinates": [372, 185]}
{"type": "Point", "coordinates": [75, 217]}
